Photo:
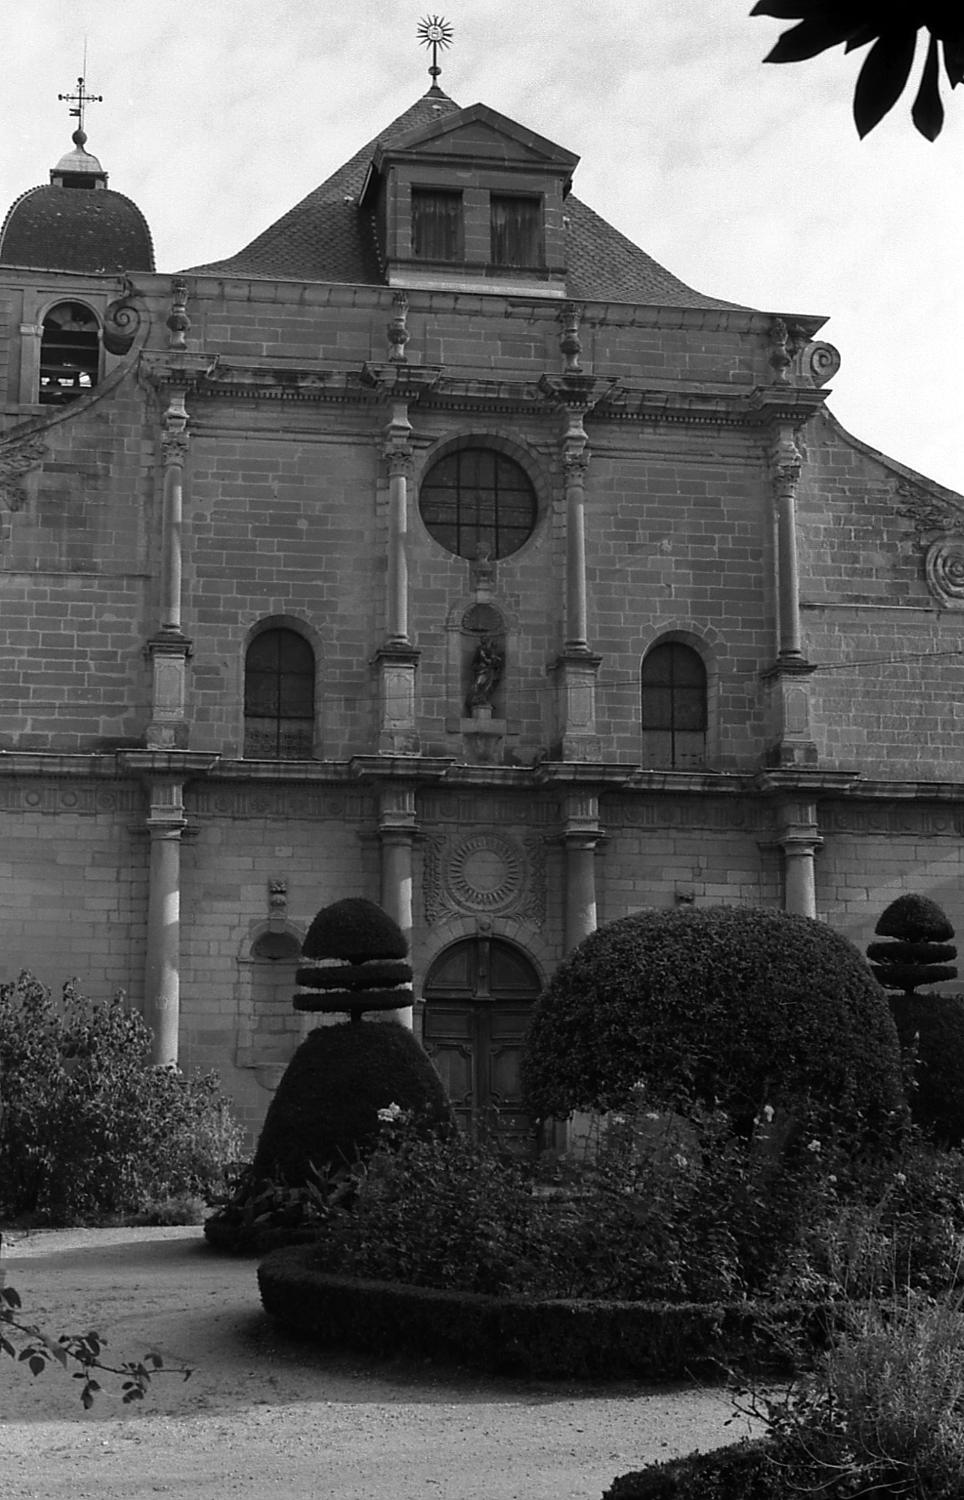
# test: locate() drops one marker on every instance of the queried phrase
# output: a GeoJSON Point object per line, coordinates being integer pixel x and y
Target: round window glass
{"type": "Point", "coordinates": [477, 503]}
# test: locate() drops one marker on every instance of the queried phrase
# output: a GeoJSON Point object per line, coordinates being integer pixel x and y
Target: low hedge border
{"type": "Point", "coordinates": [741, 1471]}
{"type": "Point", "coordinates": [585, 1339]}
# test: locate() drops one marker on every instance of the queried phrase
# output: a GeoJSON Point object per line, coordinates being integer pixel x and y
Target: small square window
{"type": "Point", "coordinates": [516, 231]}
{"type": "Point", "coordinates": [436, 224]}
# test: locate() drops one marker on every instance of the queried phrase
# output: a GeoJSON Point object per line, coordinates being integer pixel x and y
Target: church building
{"type": "Point", "coordinates": [438, 547]}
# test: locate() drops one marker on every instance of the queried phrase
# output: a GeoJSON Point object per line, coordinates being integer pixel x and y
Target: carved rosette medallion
{"type": "Point", "coordinates": [484, 874]}
{"type": "Point", "coordinates": [944, 568]}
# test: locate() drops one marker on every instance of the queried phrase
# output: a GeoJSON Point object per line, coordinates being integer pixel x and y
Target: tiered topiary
{"type": "Point", "coordinates": [930, 1027]}
{"type": "Point", "coordinates": [373, 973]}
{"type": "Point", "coordinates": [325, 1114]}
{"type": "Point", "coordinates": [918, 950]}
{"type": "Point", "coordinates": [736, 1006]}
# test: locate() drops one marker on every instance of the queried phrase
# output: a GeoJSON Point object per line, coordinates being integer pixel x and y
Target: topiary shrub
{"type": "Point", "coordinates": [324, 1116]}
{"type": "Point", "coordinates": [325, 1112]}
{"type": "Point", "coordinates": [739, 1007]}
{"type": "Point", "coordinates": [931, 1031]}
{"type": "Point", "coordinates": [918, 951]}
{"type": "Point", "coordinates": [373, 975]}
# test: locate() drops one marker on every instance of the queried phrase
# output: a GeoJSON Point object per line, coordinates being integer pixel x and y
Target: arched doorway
{"type": "Point", "coordinates": [479, 995]}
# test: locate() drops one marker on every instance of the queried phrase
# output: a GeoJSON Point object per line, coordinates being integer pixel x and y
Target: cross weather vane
{"type": "Point", "coordinates": [81, 99]}
{"type": "Point", "coordinates": [434, 32]}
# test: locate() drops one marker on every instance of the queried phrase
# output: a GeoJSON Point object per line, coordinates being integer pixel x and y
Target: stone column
{"type": "Point", "coordinates": [576, 462]}
{"type": "Point", "coordinates": [577, 667]}
{"type": "Point", "coordinates": [786, 463]}
{"type": "Point", "coordinates": [396, 831]}
{"type": "Point", "coordinates": [169, 648]}
{"type": "Point", "coordinates": [162, 969]}
{"type": "Point", "coordinates": [799, 838]}
{"type": "Point", "coordinates": [790, 739]}
{"type": "Point", "coordinates": [581, 834]}
{"type": "Point", "coordinates": [398, 453]}
{"type": "Point", "coordinates": [397, 659]}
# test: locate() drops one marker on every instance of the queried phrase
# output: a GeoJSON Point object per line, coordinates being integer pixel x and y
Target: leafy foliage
{"type": "Point", "coordinates": [89, 1128]}
{"type": "Point", "coordinates": [931, 1030]}
{"type": "Point", "coordinates": [892, 30]}
{"type": "Point", "coordinates": [34, 1347]}
{"type": "Point", "coordinates": [664, 1208]}
{"type": "Point", "coordinates": [917, 949]}
{"type": "Point", "coordinates": [740, 1007]}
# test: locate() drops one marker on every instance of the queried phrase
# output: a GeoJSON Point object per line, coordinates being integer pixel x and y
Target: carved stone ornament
{"type": "Point", "coordinates": [944, 570]}
{"type": "Point", "coordinates": [178, 321]}
{"type": "Point", "coordinates": [16, 460]}
{"type": "Point", "coordinates": [484, 874]}
{"type": "Point", "coordinates": [928, 512]}
{"type": "Point", "coordinates": [570, 343]}
{"type": "Point", "coordinates": [122, 319]}
{"type": "Point", "coordinates": [398, 334]}
{"type": "Point", "coordinates": [823, 362]}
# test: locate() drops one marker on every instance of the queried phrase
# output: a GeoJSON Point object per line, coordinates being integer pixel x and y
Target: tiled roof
{"type": "Point", "coordinates": [73, 229]}
{"type": "Point", "coordinates": [326, 238]}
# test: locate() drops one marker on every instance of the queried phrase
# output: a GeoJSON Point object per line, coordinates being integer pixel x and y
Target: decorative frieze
{"type": "Point", "coordinates": [53, 797]}
{"type": "Point", "coordinates": [452, 807]}
{"type": "Point", "coordinates": [910, 818]}
{"type": "Point", "coordinates": [665, 813]}
{"type": "Point", "coordinates": [294, 802]}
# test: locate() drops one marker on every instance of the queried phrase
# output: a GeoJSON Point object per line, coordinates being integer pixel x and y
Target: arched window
{"type": "Point", "coordinates": [279, 697]}
{"type": "Point", "coordinates": [69, 353]}
{"type": "Point", "coordinates": [674, 707]}
{"type": "Point", "coordinates": [478, 503]}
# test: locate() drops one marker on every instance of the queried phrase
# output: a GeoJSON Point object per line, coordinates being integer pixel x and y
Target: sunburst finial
{"type": "Point", "coordinates": [435, 32]}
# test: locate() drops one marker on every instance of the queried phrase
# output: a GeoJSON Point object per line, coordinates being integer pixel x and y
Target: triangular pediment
{"type": "Point", "coordinates": [480, 134]}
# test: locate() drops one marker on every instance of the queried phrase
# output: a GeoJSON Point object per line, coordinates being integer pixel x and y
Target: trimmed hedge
{"type": "Point", "coordinates": [736, 1005]}
{"type": "Point", "coordinates": [917, 945]}
{"type": "Point", "coordinates": [743, 1471]}
{"type": "Point", "coordinates": [325, 1111]}
{"type": "Point", "coordinates": [586, 1339]}
{"type": "Point", "coordinates": [356, 930]}
{"type": "Point", "coordinates": [932, 1026]}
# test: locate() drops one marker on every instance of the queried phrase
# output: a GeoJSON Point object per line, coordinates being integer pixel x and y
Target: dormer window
{"type": "Point", "coordinates": [516, 225]}
{"type": "Point", "coordinates": [436, 224]}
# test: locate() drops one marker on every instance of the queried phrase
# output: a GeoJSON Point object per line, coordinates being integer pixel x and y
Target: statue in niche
{"type": "Point", "coordinates": [486, 671]}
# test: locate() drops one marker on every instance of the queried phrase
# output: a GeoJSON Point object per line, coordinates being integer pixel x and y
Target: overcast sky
{"type": "Point", "coordinates": [746, 181]}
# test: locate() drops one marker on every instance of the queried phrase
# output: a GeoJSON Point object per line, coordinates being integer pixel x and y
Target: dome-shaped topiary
{"type": "Point", "coordinates": [374, 975]}
{"type": "Point", "coordinates": [739, 1006]}
{"type": "Point", "coordinates": [932, 1026]}
{"type": "Point", "coordinates": [354, 930]}
{"type": "Point", "coordinates": [918, 952]}
{"type": "Point", "coordinates": [325, 1111]}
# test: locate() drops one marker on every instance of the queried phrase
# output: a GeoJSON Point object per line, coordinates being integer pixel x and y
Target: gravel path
{"type": "Point", "coordinates": [265, 1415]}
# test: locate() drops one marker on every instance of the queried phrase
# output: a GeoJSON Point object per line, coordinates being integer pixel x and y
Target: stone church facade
{"type": "Point", "coordinates": [441, 548]}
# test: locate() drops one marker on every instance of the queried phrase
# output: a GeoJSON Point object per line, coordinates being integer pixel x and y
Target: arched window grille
{"type": "Point", "coordinates": [69, 353]}
{"type": "Point", "coordinates": [674, 714]}
{"type": "Point", "coordinates": [279, 697]}
{"type": "Point", "coordinates": [478, 503]}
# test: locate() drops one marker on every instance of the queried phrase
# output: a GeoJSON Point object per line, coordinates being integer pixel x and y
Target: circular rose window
{"type": "Point", "coordinates": [478, 503]}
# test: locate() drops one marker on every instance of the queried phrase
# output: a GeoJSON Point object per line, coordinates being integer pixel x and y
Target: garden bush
{"type": "Point", "coordinates": [89, 1128]}
{"type": "Point", "coordinates": [917, 948]}
{"type": "Point", "coordinates": [325, 1114]}
{"type": "Point", "coordinates": [931, 1031]}
{"type": "Point", "coordinates": [739, 1007]}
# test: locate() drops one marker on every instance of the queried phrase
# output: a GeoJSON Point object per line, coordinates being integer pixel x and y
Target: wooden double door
{"type": "Point", "coordinates": [479, 995]}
